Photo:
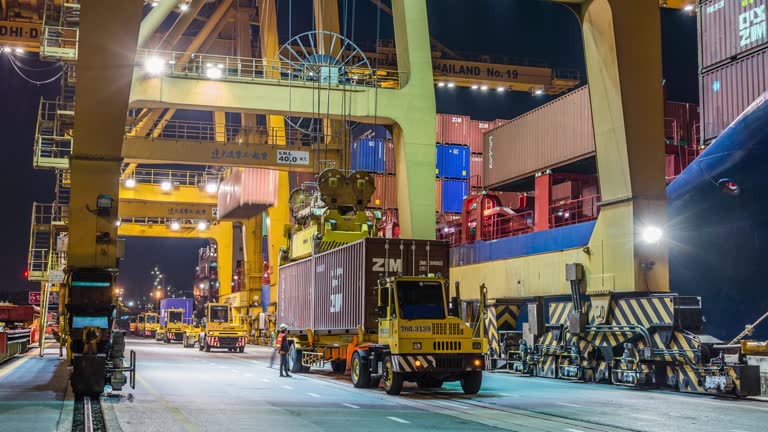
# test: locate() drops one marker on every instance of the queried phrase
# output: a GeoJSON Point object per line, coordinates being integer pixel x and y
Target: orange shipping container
{"type": "Point", "coordinates": [246, 192]}
{"type": "Point", "coordinates": [453, 129]}
{"type": "Point", "coordinates": [552, 135]}
{"type": "Point", "coordinates": [476, 171]}
{"type": "Point", "coordinates": [385, 196]}
{"type": "Point", "coordinates": [476, 130]}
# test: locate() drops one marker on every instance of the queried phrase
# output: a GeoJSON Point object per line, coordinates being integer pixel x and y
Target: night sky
{"type": "Point", "coordinates": [531, 29]}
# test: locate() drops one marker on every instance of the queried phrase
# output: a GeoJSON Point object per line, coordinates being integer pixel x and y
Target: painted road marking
{"type": "Point", "coordinates": [574, 430]}
{"type": "Point", "coordinates": [509, 395]}
{"type": "Point", "coordinates": [570, 405]}
{"type": "Point", "coordinates": [737, 430]}
{"type": "Point", "coordinates": [314, 395]}
{"type": "Point", "coordinates": [451, 404]}
{"type": "Point", "coordinates": [288, 387]}
{"type": "Point", "coordinates": [19, 361]}
{"type": "Point", "coordinates": [262, 380]}
{"type": "Point", "coordinates": [399, 420]}
{"type": "Point", "coordinates": [645, 416]}
{"type": "Point", "coordinates": [350, 405]}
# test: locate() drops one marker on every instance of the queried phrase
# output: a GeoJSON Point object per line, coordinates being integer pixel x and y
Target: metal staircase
{"type": "Point", "coordinates": [53, 136]}
{"type": "Point", "coordinates": [61, 23]}
{"type": "Point", "coordinates": [47, 240]}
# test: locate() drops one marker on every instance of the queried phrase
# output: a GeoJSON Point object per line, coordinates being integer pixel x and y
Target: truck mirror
{"type": "Point", "coordinates": [382, 311]}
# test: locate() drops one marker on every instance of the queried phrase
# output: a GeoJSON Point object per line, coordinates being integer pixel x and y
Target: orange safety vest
{"type": "Point", "coordinates": [279, 340]}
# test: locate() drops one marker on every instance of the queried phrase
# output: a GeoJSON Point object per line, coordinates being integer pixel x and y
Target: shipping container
{"type": "Point", "coordinates": [385, 195]}
{"type": "Point", "coordinates": [389, 157]}
{"type": "Point", "coordinates": [176, 303]}
{"type": "Point", "coordinates": [453, 129]}
{"type": "Point", "coordinates": [554, 134]}
{"type": "Point", "coordinates": [453, 161]}
{"type": "Point", "coordinates": [335, 292]}
{"type": "Point", "coordinates": [296, 179]}
{"type": "Point", "coordinates": [246, 192]}
{"type": "Point", "coordinates": [368, 155]}
{"type": "Point", "coordinates": [680, 120]}
{"type": "Point", "coordinates": [727, 91]}
{"type": "Point", "coordinates": [438, 195]}
{"type": "Point", "coordinates": [476, 171]}
{"type": "Point", "coordinates": [453, 193]}
{"type": "Point", "coordinates": [566, 190]}
{"type": "Point", "coordinates": [370, 131]}
{"type": "Point", "coordinates": [476, 130]}
{"type": "Point", "coordinates": [729, 29]}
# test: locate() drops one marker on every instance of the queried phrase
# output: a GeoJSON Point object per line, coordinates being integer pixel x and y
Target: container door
{"type": "Point", "coordinates": [386, 312]}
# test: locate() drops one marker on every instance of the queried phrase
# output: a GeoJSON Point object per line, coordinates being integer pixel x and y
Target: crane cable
{"type": "Point", "coordinates": [17, 66]}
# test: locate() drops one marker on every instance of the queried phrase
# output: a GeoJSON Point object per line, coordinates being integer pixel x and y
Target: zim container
{"type": "Point", "coordinates": [476, 130]}
{"type": "Point", "coordinates": [453, 129]}
{"type": "Point", "coordinates": [729, 29]}
{"type": "Point", "coordinates": [335, 292]}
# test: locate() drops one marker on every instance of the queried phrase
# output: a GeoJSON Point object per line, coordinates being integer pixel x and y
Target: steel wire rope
{"type": "Point", "coordinates": [376, 95]}
{"type": "Point", "coordinates": [48, 81]}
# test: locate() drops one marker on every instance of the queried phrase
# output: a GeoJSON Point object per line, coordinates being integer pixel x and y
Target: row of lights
{"type": "Point", "coordinates": [8, 49]}
{"type": "Point", "coordinates": [484, 87]}
{"type": "Point", "coordinates": [167, 186]}
{"type": "Point", "coordinates": [183, 6]}
{"type": "Point", "coordinates": [202, 225]}
{"type": "Point", "coordinates": [155, 66]}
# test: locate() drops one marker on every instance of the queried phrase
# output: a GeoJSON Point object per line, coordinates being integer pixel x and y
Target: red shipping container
{"type": "Point", "coordinates": [246, 192]}
{"type": "Point", "coordinates": [670, 166]}
{"type": "Point", "coordinates": [727, 91]}
{"type": "Point", "coordinates": [385, 195]}
{"type": "Point", "coordinates": [729, 29]}
{"type": "Point", "coordinates": [389, 157]}
{"type": "Point", "coordinates": [296, 179]}
{"type": "Point", "coordinates": [453, 129]}
{"type": "Point", "coordinates": [476, 130]}
{"type": "Point", "coordinates": [565, 191]}
{"type": "Point", "coordinates": [476, 171]}
{"type": "Point", "coordinates": [294, 306]}
{"type": "Point", "coordinates": [680, 119]}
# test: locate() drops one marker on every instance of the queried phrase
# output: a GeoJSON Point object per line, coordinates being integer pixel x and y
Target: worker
{"type": "Point", "coordinates": [281, 347]}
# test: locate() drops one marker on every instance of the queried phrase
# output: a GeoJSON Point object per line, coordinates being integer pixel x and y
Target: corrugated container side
{"type": "Point", "coordinates": [385, 195]}
{"type": "Point", "coordinates": [727, 91]}
{"type": "Point", "coordinates": [454, 161]}
{"type": "Point", "coordinates": [476, 171]}
{"type": "Point", "coordinates": [453, 193]}
{"type": "Point", "coordinates": [549, 136]}
{"type": "Point", "coordinates": [295, 293]}
{"type": "Point", "coordinates": [439, 195]}
{"type": "Point", "coordinates": [368, 155]}
{"type": "Point", "coordinates": [389, 157]}
{"type": "Point", "coordinates": [730, 28]}
{"type": "Point", "coordinates": [476, 130]}
{"type": "Point", "coordinates": [246, 192]}
{"type": "Point", "coordinates": [176, 303]}
{"type": "Point", "coordinates": [340, 288]}
{"type": "Point", "coordinates": [296, 179]}
{"type": "Point", "coordinates": [453, 129]}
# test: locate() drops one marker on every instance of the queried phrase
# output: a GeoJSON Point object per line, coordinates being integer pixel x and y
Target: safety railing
{"type": "Point", "coordinates": [157, 176]}
{"type": "Point", "coordinates": [49, 214]}
{"type": "Point", "coordinates": [57, 260]}
{"type": "Point", "coordinates": [498, 226]}
{"type": "Point", "coordinates": [170, 223]}
{"type": "Point", "coordinates": [52, 146]}
{"type": "Point", "coordinates": [59, 43]}
{"type": "Point", "coordinates": [451, 233]}
{"type": "Point", "coordinates": [244, 69]}
{"type": "Point", "coordinates": [37, 264]}
{"type": "Point", "coordinates": [575, 211]}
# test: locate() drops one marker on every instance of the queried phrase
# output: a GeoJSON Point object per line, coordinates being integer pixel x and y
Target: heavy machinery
{"type": "Point", "coordinates": [96, 349]}
{"type": "Point", "coordinates": [222, 330]}
{"type": "Point", "coordinates": [191, 335]}
{"type": "Point", "coordinates": [380, 309]}
{"type": "Point", "coordinates": [133, 323]}
{"type": "Point", "coordinates": [331, 216]}
{"type": "Point", "coordinates": [14, 329]}
{"type": "Point", "coordinates": [149, 324]}
{"type": "Point", "coordinates": [175, 328]}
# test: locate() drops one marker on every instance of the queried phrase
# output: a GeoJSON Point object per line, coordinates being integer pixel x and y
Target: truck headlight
{"type": "Point", "coordinates": [477, 345]}
{"type": "Point", "coordinates": [477, 363]}
{"type": "Point", "coordinates": [210, 333]}
{"type": "Point", "coordinates": [417, 345]}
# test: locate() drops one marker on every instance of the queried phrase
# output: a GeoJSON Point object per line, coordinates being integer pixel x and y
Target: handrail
{"type": "Point", "coordinates": [232, 68]}
{"type": "Point", "coordinates": [506, 226]}
{"type": "Point", "coordinates": [158, 176]}
{"type": "Point", "coordinates": [568, 212]}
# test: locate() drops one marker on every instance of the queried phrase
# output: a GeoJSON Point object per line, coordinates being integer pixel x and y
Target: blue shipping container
{"type": "Point", "coordinates": [454, 192]}
{"type": "Point", "coordinates": [176, 303]}
{"type": "Point", "coordinates": [369, 131]}
{"type": "Point", "coordinates": [453, 161]}
{"type": "Point", "coordinates": [368, 155]}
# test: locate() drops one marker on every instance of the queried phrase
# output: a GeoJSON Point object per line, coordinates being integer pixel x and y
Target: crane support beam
{"type": "Point", "coordinates": [221, 233]}
{"type": "Point", "coordinates": [181, 25]}
{"type": "Point", "coordinates": [210, 25]}
{"type": "Point", "coordinates": [138, 209]}
{"type": "Point", "coordinates": [104, 74]}
{"type": "Point", "coordinates": [154, 18]}
{"type": "Point", "coordinates": [178, 195]}
{"type": "Point", "coordinates": [410, 109]}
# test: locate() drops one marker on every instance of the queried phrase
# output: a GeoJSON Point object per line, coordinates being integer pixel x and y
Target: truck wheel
{"type": "Point", "coordinates": [294, 360]}
{"type": "Point", "coordinates": [242, 349]}
{"type": "Point", "coordinates": [200, 347]}
{"type": "Point", "coordinates": [393, 381]}
{"type": "Point", "coordinates": [360, 373]}
{"type": "Point", "coordinates": [471, 382]}
{"type": "Point", "coordinates": [429, 382]}
{"type": "Point", "coordinates": [207, 347]}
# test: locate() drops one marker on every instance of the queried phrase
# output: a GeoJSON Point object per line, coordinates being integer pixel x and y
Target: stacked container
{"type": "Point", "coordinates": [373, 150]}
{"type": "Point", "coordinates": [733, 39]}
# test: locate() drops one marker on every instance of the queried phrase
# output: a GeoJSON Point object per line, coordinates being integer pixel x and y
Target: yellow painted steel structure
{"type": "Point", "coordinates": [221, 233]}
{"type": "Point", "coordinates": [622, 42]}
{"type": "Point", "coordinates": [410, 109]}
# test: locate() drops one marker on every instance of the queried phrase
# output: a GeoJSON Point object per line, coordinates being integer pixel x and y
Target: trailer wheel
{"type": "Point", "coordinates": [471, 382]}
{"type": "Point", "coordinates": [339, 366]}
{"type": "Point", "coordinates": [207, 347]}
{"type": "Point", "coordinates": [242, 349]}
{"type": "Point", "coordinates": [360, 373]}
{"type": "Point", "coordinates": [200, 347]}
{"type": "Point", "coordinates": [393, 381]}
{"type": "Point", "coordinates": [294, 361]}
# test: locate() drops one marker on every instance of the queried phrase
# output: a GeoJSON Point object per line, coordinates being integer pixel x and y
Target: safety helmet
{"type": "Point", "coordinates": [283, 327]}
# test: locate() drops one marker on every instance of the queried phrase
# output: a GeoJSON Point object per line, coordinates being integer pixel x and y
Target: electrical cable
{"type": "Point", "coordinates": [29, 68]}
{"type": "Point", "coordinates": [48, 81]}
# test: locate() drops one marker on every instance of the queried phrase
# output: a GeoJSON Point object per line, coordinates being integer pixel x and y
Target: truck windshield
{"type": "Point", "coordinates": [219, 314]}
{"type": "Point", "coordinates": [175, 316]}
{"type": "Point", "coordinates": [420, 300]}
{"type": "Point", "coordinates": [141, 319]}
{"type": "Point", "coordinates": [151, 319]}
{"type": "Point", "coordinates": [132, 319]}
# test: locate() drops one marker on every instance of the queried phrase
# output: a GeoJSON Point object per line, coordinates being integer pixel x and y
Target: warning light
{"type": "Point", "coordinates": [26, 274]}
{"type": "Point", "coordinates": [417, 363]}
{"type": "Point", "coordinates": [478, 362]}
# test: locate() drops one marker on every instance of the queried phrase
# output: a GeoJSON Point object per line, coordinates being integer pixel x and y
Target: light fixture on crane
{"type": "Point", "coordinates": [130, 183]}
{"type": "Point", "coordinates": [166, 186]}
{"type": "Point", "coordinates": [154, 65]}
{"type": "Point", "coordinates": [211, 187]}
{"type": "Point", "coordinates": [652, 234]}
{"type": "Point", "coordinates": [175, 226]}
{"type": "Point", "coordinates": [202, 225]}
{"type": "Point", "coordinates": [214, 71]}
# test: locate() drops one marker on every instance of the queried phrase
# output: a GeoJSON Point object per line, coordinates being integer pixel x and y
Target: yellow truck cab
{"type": "Point", "coordinates": [150, 325]}
{"type": "Point", "coordinates": [191, 334]}
{"type": "Point", "coordinates": [132, 324]}
{"type": "Point", "coordinates": [221, 330]}
{"type": "Point", "coordinates": [174, 326]}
